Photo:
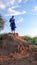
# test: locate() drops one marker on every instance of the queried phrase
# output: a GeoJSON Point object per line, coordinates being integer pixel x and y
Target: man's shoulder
{"type": "Point", "coordinates": [10, 19]}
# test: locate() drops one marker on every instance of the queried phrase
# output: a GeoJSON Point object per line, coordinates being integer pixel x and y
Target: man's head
{"type": "Point", "coordinates": [12, 16]}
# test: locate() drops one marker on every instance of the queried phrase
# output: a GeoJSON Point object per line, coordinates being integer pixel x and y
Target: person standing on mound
{"type": "Point", "coordinates": [12, 24]}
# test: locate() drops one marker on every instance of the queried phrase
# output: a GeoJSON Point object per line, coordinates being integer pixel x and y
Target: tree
{"type": "Point", "coordinates": [1, 23]}
{"type": "Point", "coordinates": [30, 41]}
{"type": "Point", "coordinates": [34, 40]}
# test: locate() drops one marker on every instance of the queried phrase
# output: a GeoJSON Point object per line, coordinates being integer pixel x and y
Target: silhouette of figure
{"type": "Point", "coordinates": [12, 24]}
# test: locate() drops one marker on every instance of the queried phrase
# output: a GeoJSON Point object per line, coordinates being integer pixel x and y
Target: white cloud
{"type": "Point", "coordinates": [14, 12]}
{"type": "Point", "coordinates": [2, 6]}
{"type": "Point", "coordinates": [26, 1]}
{"type": "Point", "coordinates": [10, 2]}
{"type": "Point", "coordinates": [20, 20]}
{"type": "Point", "coordinates": [13, 4]}
{"type": "Point", "coordinates": [35, 8]}
{"type": "Point", "coordinates": [6, 3]}
{"type": "Point", "coordinates": [16, 6]}
{"type": "Point", "coordinates": [19, 1]}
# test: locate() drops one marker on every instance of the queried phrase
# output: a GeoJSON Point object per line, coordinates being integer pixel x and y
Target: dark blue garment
{"type": "Point", "coordinates": [12, 24]}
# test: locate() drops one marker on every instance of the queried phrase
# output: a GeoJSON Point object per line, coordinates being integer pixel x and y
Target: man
{"type": "Point", "coordinates": [12, 24]}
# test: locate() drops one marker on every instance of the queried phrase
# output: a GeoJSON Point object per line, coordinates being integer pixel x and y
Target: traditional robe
{"type": "Point", "coordinates": [12, 24]}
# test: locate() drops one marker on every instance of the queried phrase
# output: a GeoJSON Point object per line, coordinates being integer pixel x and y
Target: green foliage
{"type": "Point", "coordinates": [32, 41]}
{"type": "Point", "coordinates": [2, 35]}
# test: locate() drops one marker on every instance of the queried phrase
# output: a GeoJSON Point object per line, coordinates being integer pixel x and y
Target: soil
{"type": "Point", "coordinates": [15, 51]}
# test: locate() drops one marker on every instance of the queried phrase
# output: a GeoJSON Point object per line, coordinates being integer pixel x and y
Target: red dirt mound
{"type": "Point", "coordinates": [12, 44]}
{"type": "Point", "coordinates": [15, 51]}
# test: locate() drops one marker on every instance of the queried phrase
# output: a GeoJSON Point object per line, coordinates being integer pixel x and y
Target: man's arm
{"type": "Point", "coordinates": [10, 20]}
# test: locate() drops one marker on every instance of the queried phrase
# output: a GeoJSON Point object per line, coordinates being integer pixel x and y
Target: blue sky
{"type": "Point", "coordinates": [25, 14]}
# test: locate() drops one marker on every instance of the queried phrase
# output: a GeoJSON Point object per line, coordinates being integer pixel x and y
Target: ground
{"type": "Point", "coordinates": [15, 51]}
